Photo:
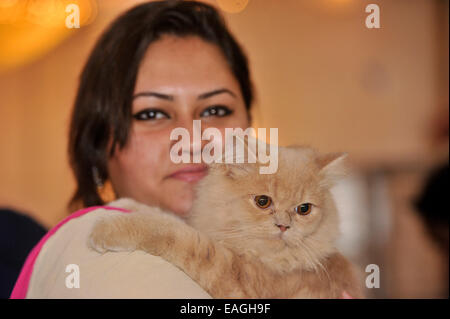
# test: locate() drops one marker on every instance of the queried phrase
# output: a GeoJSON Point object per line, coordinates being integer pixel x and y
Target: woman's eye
{"type": "Point", "coordinates": [150, 114]}
{"type": "Point", "coordinates": [217, 110]}
{"type": "Point", "coordinates": [304, 209]}
{"type": "Point", "coordinates": [263, 201]}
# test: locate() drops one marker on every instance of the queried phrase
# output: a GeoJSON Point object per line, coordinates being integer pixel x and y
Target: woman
{"type": "Point", "coordinates": [159, 66]}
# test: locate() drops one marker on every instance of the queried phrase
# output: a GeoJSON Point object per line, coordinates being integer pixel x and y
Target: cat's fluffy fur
{"type": "Point", "coordinates": [233, 248]}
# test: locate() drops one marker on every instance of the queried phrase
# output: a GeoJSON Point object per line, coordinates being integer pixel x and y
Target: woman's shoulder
{"type": "Point", "coordinates": [65, 267]}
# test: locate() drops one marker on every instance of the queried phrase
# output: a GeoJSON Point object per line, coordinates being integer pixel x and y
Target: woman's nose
{"type": "Point", "coordinates": [195, 130]}
{"type": "Point", "coordinates": [196, 144]}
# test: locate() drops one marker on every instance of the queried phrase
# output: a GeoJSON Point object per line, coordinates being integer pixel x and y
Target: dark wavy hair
{"type": "Point", "coordinates": [102, 109]}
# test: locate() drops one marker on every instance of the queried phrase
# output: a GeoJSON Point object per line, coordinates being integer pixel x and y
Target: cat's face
{"type": "Point", "coordinates": [287, 218]}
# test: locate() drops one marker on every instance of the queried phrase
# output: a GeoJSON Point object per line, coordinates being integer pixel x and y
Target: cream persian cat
{"type": "Point", "coordinates": [248, 235]}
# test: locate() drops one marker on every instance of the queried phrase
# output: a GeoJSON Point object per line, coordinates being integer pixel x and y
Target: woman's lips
{"type": "Point", "coordinates": [190, 174]}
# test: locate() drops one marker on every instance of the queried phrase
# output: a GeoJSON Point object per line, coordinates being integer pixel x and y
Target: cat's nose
{"type": "Point", "coordinates": [283, 228]}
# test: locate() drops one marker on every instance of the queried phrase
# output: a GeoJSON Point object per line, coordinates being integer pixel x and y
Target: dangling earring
{"type": "Point", "coordinates": [104, 188]}
{"type": "Point", "coordinates": [96, 176]}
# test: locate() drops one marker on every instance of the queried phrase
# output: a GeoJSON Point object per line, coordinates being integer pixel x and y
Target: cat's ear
{"type": "Point", "coordinates": [333, 167]}
{"type": "Point", "coordinates": [232, 170]}
{"type": "Point", "coordinates": [233, 164]}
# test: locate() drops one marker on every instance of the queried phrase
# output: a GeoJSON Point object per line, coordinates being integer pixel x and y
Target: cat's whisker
{"type": "Point", "coordinates": [311, 259]}
{"type": "Point", "coordinates": [313, 242]}
{"type": "Point", "coordinates": [316, 260]}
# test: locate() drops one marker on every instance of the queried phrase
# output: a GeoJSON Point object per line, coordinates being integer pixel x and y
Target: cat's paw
{"type": "Point", "coordinates": [112, 234]}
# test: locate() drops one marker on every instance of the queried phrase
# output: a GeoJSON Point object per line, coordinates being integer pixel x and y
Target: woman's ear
{"type": "Point", "coordinates": [333, 167]}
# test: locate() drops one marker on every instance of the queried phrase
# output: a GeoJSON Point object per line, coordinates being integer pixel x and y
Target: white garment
{"type": "Point", "coordinates": [111, 275]}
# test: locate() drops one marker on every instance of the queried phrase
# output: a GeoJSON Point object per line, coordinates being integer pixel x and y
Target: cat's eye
{"type": "Point", "coordinates": [263, 201]}
{"type": "Point", "coordinates": [150, 114]}
{"type": "Point", "coordinates": [303, 209]}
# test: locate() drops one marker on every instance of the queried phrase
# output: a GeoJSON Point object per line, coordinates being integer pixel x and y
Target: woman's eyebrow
{"type": "Point", "coordinates": [215, 92]}
{"type": "Point", "coordinates": [171, 97]}
{"type": "Point", "coordinates": [154, 94]}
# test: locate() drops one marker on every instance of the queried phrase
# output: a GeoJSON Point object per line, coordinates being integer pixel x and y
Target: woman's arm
{"type": "Point", "coordinates": [214, 267]}
{"type": "Point", "coordinates": [109, 275]}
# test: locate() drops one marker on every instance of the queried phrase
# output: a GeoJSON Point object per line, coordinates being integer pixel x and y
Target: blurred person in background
{"type": "Point", "coordinates": [432, 203]}
{"type": "Point", "coordinates": [18, 235]}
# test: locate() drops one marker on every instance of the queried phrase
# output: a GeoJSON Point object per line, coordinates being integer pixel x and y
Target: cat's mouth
{"type": "Point", "coordinates": [282, 242]}
{"type": "Point", "coordinates": [282, 236]}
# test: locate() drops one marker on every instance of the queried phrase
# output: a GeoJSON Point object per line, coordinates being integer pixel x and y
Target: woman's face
{"type": "Point", "coordinates": [179, 80]}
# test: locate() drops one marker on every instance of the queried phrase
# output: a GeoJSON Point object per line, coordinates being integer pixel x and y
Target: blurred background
{"type": "Point", "coordinates": [321, 77]}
